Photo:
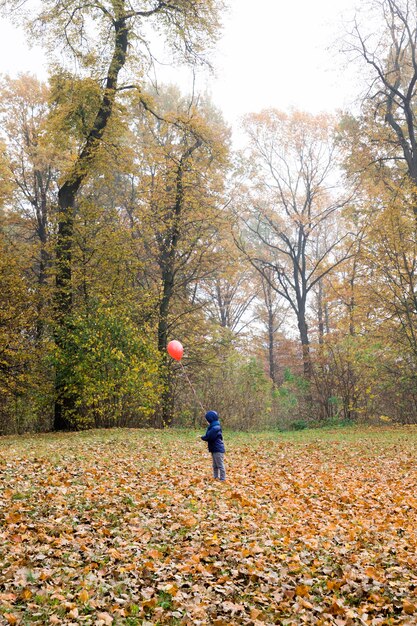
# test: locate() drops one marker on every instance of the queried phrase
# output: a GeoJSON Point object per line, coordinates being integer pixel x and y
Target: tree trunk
{"type": "Point", "coordinates": [271, 345]}
{"type": "Point", "coordinates": [307, 365]}
{"type": "Point", "coordinates": [320, 313]}
{"type": "Point", "coordinates": [164, 415]}
{"type": "Point", "coordinates": [168, 255]}
{"type": "Point", "coordinates": [41, 208]}
{"type": "Point", "coordinates": [305, 342]}
{"type": "Point", "coordinates": [65, 402]}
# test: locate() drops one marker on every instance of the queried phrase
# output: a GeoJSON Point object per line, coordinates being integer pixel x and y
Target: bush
{"type": "Point", "coordinates": [299, 425]}
{"type": "Point", "coordinates": [111, 367]}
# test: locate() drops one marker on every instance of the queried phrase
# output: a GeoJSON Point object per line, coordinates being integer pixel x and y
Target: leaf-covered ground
{"type": "Point", "coordinates": [127, 527]}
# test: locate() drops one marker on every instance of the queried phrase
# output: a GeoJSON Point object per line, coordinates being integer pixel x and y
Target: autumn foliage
{"type": "Point", "coordinates": [287, 269]}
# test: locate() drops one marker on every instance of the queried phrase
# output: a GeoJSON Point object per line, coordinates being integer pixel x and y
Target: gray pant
{"type": "Point", "coordinates": [218, 465]}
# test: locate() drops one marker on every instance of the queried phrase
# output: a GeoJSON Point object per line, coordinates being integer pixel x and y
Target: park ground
{"type": "Point", "coordinates": [126, 527]}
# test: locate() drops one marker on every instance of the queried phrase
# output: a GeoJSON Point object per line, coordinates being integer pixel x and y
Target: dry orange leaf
{"type": "Point", "coordinates": [84, 595]}
{"type": "Point", "coordinates": [409, 607]}
{"type": "Point", "coordinates": [302, 590]}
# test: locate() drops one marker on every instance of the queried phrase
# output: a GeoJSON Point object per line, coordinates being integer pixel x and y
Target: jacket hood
{"type": "Point", "coordinates": [211, 416]}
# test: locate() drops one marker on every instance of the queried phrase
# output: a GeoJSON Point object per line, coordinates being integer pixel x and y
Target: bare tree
{"type": "Point", "coordinates": [229, 296]}
{"type": "Point", "coordinates": [384, 37]}
{"type": "Point", "coordinates": [272, 313]}
{"type": "Point", "coordinates": [292, 195]}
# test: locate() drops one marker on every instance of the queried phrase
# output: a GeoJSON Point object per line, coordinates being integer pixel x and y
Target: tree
{"type": "Point", "coordinates": [390, 52]}
{"type": "Point", "coordinates": [381, 155]}
{"type": "Point", "coordinates": [291, 199]}
{"type": "Point", "coordinates": [16, 327]}
{"type": "Point", "coordinates": [228, 294]}
{"type": "Point", "coordinates": [272, 312]}
{"type": "Point", "coordinates": [174, 207]}
{"type": "Point", "coordinates": [33, 165]}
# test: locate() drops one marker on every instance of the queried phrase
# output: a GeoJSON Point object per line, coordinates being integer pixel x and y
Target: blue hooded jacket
{"type": "Point", "coordinates": [213, 434]}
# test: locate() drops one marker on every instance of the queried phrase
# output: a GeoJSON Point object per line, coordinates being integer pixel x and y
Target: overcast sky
{"type": "Point", "coordinates": [273, 53]}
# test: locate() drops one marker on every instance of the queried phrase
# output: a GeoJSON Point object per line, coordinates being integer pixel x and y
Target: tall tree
{"type": "Point", "coordinates": [272, 311]}
{"type": "Point", "coordinates": [174, 206]}
{"type": "Point", "coordinates": [291, 198]}
{"type": "Point", "coordinates": [33, 164]}
{"type": "Point", "coordinates": [385, 39]}
{"type": "Point", "coordinates": [380, 154]}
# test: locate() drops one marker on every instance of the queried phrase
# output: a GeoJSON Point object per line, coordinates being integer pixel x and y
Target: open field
{"type": "Point", "coordinates": [127, 527]}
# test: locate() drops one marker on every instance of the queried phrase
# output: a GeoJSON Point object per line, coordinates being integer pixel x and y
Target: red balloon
{"type": "Point", "coordinates": [175, 350]}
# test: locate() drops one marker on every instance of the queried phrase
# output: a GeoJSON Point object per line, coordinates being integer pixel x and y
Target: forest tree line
{"type": "Point", "coordinates": [287, 268]}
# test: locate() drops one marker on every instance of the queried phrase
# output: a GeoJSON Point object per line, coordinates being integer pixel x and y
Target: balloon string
{"type": "Point", "coordinates": [191, 385]}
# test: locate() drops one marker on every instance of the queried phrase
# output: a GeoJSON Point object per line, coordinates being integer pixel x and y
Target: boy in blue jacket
{"type": "Point", "coordinates": [214, 439]}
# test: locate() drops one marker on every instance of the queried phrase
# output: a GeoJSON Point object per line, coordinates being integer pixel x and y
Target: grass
{"type": "Point", "coordinates": [132, 436]}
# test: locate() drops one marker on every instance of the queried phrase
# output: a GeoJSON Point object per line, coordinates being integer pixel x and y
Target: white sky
{"type": "Point", "coordinates": [274, 53]}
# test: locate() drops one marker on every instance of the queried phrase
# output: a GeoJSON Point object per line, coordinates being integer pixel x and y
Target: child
{"type": "Point", "coordinates": [214, 439]}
